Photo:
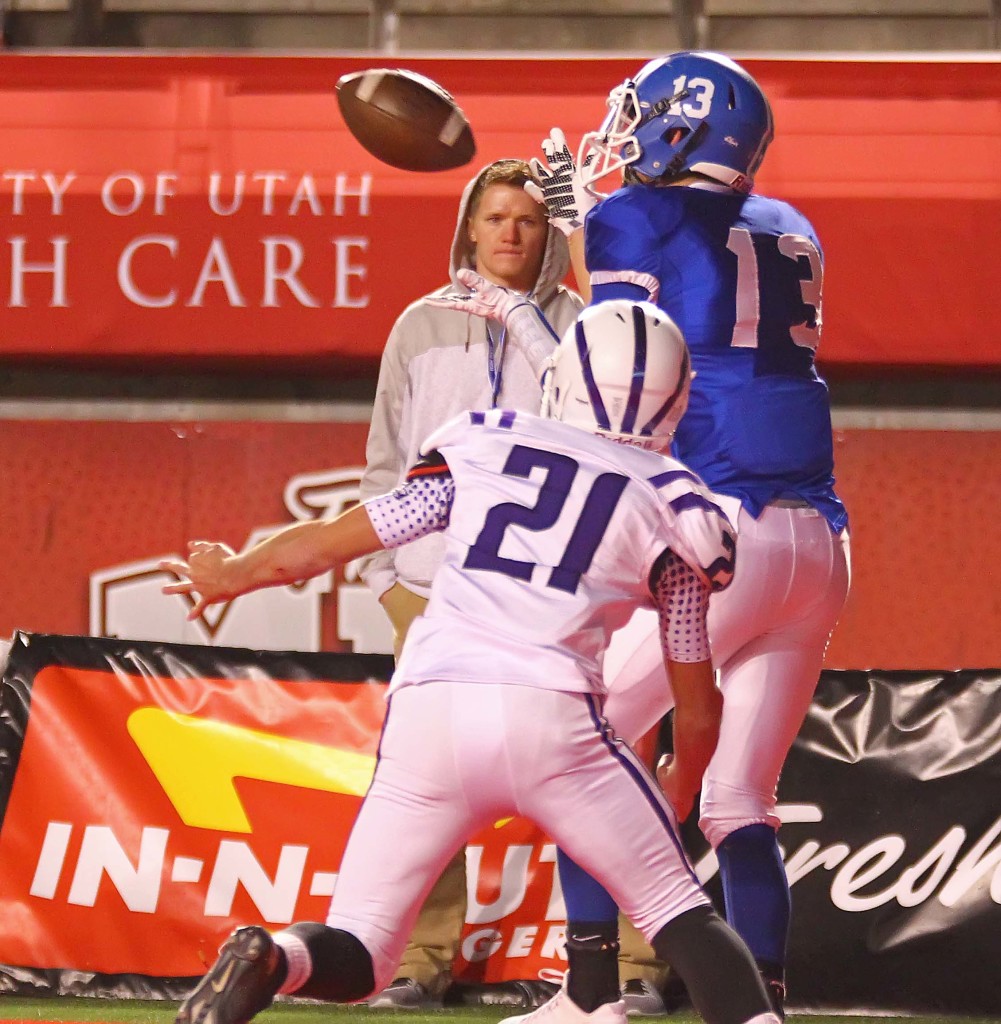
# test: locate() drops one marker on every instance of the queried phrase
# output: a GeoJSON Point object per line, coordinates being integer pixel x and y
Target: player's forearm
{"type": "Point", "coordinates": [693, 749]}
{"type": "Point", "coordinates": [303, 551]}
{"type": "Point", "coordinates": [530, 331]}
{"type": "Point", "coordinates": [698, 708]}
{"type": "Point", "coordinates": [579, 264]}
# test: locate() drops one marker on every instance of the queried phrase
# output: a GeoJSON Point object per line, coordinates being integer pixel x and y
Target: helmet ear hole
{"type": "Point", "coordinates": [732, 98]}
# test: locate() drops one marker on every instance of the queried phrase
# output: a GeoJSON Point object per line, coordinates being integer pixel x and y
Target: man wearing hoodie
{"type": "Point", "coordinates": [437, 363]}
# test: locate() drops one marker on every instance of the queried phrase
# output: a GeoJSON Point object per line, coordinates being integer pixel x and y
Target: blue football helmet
{"type": "Point", "coordinates": [691, 112]}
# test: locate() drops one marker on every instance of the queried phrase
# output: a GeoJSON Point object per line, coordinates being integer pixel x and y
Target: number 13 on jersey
{"type": "Point", "coordinates": [805, 262]}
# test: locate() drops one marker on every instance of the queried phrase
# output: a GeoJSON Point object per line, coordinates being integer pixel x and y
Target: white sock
{"type": "Point", "coordinates": [300, 963]}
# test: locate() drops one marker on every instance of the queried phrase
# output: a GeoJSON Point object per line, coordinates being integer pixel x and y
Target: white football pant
{"type": "Point", "coordinates": [768, 631]}
{"type": "Point", "coordinates": [458, 756]}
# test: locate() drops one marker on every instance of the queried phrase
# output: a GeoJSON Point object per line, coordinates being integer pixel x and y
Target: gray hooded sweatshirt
{"type": "Point", "coordinates": [436, 364]}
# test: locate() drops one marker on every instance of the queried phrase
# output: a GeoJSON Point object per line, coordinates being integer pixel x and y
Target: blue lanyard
{"type": "Point", "coordinates": [495, 360]}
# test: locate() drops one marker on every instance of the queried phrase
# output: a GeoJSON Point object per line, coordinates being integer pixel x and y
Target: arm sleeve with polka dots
{"type": "Point", "coordinates": [682, 600]}
{"type": "Point", "coordinates": [419, 506]}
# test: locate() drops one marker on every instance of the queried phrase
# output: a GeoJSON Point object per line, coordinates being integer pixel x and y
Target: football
{"type": "Point", "coordinates": [405, 120]}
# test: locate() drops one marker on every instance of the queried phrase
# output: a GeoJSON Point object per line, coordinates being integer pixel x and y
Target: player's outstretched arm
{"type": "Point", "coordinates": [561, 187]}
{"type": "Point", "coordinates": [578, 261]}
{"type": "Point", "coordinates": [215, 573]}
{"type": "Point", "coordinates": [567, 200]}
{"type": "Point", "coordinates": [484, 298]}
{"type": "Point", "coordinates": [527, 325]}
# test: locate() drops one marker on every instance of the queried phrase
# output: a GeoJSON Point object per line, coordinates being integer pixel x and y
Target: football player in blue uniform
{"type": "Point", "coordinates": [742, 276]}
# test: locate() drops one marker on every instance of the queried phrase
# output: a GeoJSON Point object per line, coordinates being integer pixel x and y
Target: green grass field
{"type": "Point", "coordinates": [160, 1012]}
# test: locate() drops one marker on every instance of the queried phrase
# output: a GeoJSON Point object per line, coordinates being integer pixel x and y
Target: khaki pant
{"type": "Point", "coordinates": [435, 939]}
{"type": "Point", "coordinates": [636, 958]}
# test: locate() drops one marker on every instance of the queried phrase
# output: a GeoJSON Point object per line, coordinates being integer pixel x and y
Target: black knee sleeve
{"type": "Point", "coordinates": [715, 965]}
{"type": "Point", "coordinates": [342, 966]}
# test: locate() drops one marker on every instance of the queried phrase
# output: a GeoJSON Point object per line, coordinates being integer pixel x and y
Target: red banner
{"type": "Point", "coordinates": [215, 209]}
{"type": "Point", "coordinates": [178, 792]}
{"type": "Point", "coordinates": [92, 507]}
{"type": "Point", "coordinates": [155, 795]}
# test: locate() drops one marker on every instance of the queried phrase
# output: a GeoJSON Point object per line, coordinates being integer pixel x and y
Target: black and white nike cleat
{"type": "Point", "coordinates": [241, 983]}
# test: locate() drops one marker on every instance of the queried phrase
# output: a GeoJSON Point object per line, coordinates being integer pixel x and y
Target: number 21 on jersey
{"type": "Point", "coordinates": [591, 522]}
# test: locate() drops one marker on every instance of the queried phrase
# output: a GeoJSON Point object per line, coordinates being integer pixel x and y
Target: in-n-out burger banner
{"type": "Point", "coordinates": [216, 208]}
{"type": "Point", "coordinates": [155, 795]}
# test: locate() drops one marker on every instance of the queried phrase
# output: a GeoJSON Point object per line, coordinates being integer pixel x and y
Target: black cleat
{"type": "Point", "coordinates": [403, 994]}
{"type": "Point", "coordinates": [241, 983]}
{"type": "Point", "coordinates": [776, 991]}
{"type": "Point", "coordinates": [773, 977]}
{"type": "Point", "coordinates": [642, 999]}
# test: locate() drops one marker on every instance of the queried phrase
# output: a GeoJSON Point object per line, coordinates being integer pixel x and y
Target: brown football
{"type": "Point", "coordinates": [405, 119]}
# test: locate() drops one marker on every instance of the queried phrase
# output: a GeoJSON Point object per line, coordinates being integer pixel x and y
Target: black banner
{"type": "Point", "coordinates": [891, 836]}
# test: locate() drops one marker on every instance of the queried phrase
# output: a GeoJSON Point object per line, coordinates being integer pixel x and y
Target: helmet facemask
{"type": "Point", "coordinates": [613, 146]}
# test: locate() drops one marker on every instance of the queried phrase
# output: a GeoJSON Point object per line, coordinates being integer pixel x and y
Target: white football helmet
{"type": "Point", "coordinates": [621, 371]}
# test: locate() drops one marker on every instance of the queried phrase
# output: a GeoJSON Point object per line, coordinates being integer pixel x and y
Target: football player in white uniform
{"type": "Point", "coordinates": [554, 536]}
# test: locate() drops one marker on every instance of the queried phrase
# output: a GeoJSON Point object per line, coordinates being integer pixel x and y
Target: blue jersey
{"type": "Point", "coordinates": [742, 277]}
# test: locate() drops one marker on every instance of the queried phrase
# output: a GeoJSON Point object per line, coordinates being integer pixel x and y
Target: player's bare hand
{"type": "Point", "coordinates": [681, 796]}
{"type": "Point", "coordinates": [484, 299]}
{"type": "Point", "coordinates": [207, 575]}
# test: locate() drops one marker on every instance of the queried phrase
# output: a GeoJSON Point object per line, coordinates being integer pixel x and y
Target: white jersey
{"type": "Point", "coordinates": [552, 538]}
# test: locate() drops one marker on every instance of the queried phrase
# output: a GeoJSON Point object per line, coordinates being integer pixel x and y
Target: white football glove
{"type": "Point", "coordinates": [564, 195]}
{"type": "Point", "coordinates": [485, 299]}
{"type": "Point", "coordinates": [527, 325]}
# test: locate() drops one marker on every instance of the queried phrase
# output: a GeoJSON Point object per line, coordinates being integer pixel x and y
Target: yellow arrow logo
{"type": "Point", "coordinates": [195, 760]}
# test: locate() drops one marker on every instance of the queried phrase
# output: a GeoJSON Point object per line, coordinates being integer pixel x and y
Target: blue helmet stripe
{"type": "Point", "coordinates": [597, 405]}
{"type": "Point", "coordinates": [639, 371]}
